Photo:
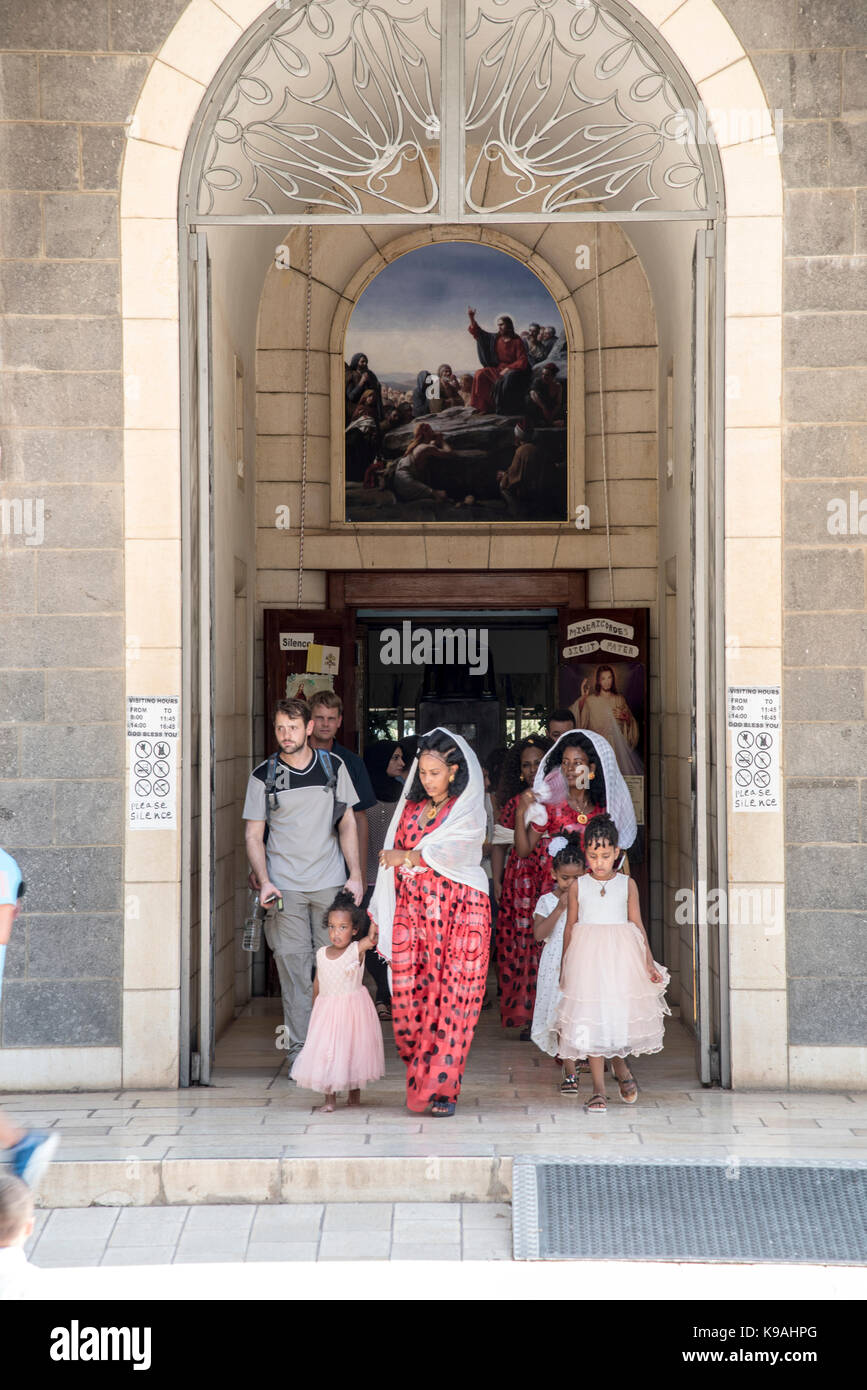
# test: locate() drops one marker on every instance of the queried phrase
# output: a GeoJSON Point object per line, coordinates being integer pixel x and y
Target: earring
{"type": "Point", "coordinates": [591, 774]}
{"type": "Point", "coordinates": [452, 778]}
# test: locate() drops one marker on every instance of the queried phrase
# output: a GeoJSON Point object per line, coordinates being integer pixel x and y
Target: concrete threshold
{"type": "Point", "coordinates": [197, 1181]}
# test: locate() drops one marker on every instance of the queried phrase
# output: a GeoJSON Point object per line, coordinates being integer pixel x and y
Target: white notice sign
{"type": "Point", "coordinates": [755, 724]}
{"type": "Point", "coordinates": [152, 747]}
{"type": "Point", "coordinates": [295, 641]}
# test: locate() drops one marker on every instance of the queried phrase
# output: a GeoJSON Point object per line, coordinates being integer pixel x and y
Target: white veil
{"type": "Point", "coordinates": [454, 849]}
{"type": "Point", "coordinates": [550, 787]}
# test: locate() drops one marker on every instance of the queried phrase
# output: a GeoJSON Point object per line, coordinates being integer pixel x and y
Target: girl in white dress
{"type": "Point", "coordinates": [611, 989]}
{"type": "Point", "coordinates": [549, 924]}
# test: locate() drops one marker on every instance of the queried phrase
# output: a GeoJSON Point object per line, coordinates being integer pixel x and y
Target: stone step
{"type": "Point", "coordinates": [194, 1181]}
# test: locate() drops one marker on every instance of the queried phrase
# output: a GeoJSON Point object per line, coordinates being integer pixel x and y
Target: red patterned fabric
{"type": "Point", "coordinates": [524, 882]}
{"type": "Point", "coordinates": [441, 939]}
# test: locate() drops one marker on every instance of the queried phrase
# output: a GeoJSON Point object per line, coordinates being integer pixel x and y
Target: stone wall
{"type": "Point", "coordinates": [811, 56]}
{"type": "Point", "coordinates": [69, 81]}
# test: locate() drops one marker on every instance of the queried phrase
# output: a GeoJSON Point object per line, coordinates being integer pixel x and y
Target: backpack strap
{"type": "Point", "coordinates": [271, 802]}
{"type": "Point", "coordinates": [328, 768]}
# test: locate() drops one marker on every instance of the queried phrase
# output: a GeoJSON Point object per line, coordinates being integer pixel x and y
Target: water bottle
{"type": "Point", "coordinates": [252, 938]}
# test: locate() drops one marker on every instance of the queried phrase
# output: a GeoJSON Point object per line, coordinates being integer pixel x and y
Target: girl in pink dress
{"type": "Point", "coordinates": [612, 991]}
{"type": "Point", "coordinates": [343, 1050]}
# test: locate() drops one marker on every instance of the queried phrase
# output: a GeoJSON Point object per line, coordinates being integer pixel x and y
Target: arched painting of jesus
{"type": "Point", "coordinates": [455, 378]}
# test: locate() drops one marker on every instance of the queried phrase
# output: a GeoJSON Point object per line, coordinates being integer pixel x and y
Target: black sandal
{"type": "Point", "coordinates": [441, 1109]}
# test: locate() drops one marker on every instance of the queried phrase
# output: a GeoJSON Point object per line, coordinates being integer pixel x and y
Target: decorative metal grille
{"type": "Point", "coordinates": [336, 111]}
{"type": "Point", "coordinates": [565, 108]}
{"type": "Point", "coordinates": [545, 107]}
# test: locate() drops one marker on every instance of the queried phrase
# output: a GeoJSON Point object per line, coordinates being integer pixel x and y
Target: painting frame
{"type": "Point", "coordinates": [572, 344]}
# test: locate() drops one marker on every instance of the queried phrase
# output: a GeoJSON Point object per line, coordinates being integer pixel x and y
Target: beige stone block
{"type": "Point", "coordinates": [150, 1037]}
{"type": "Point", "coordinates": [457, 231]}
{"type": "Point", "coordinates": [339, 253]}
{"type": "Point", "coordinates": [759, 1044]}
{"type": "Point", "coordinates": [753, 484]}
{"type": "Point", "coordinates": [190, 1181]}
{"type": "Point", "coordinates": [397, 243]}
{"type": "Point", "coordinates": [276, 550]}
{"type": "Point", "coordinates": [630, 586]}
{"type": "Point", "coordinates": [456, 552]}
{"type": "Point", "coordinates": [151, 935]}
{"type": "Point", "coordinates": [828, 1068]}
{"type": "Point", "coordinates": [281, 587]}
{"type": "Point", "coordinates": [623, 369]}
{"type": "Point", "coordinates": [626, 456]}
{"type": "Point", "coordinates": [153, 671]}
{"type": "Point", "coordinates": [354, 287]}
{"type": "Point", "coordinates": [752, 665]}
{"type": "Point", "coordinates": [626, 412]}
{"type": "Point", "coordinates": [753, 180]}
{"type": "Point", "coordinates": [753, 592]}
{"type": "Point", "coordinates": [278, 458]}
{"type": "Point", "coordinates": [397, 551]}
{"type": "Point", "coordinates": [167, 107]}
{"type": "Point", "coordinates": [270, 497]}
{"type": "Point", "coordinates": [282, 369]}
{"type": "Point", "coordinates": [149, 181]}
{"type": "Point", "coordinates": [655, 11]}
{"type": "Point", "coordinates": [702, 38]}
{"type": "Point", "coordinates": [84, 1183]}
{"type": "Point", "coordinates": [754, 265]}
{"type": "Point", "coordinates": [203, 36]}
{"type": "Point", "coordinates": [522, 552]}
{"type": "Point", "coordinates": [630, 547]}
{"type": "Point", "coordinates": [283, 311]}
{"type": "Point", "coordinates": [149, 267]}
{"type": "Point", "coordinates": [59, 1069]}
{"type": "Point", "coordinates": [626, 308]}
{"type": "Point", "coordinates": [757, 937]}
{"type": "Point", "coordinates": [631, 502]}
{"type": "Point", "coordinates": [152, 856]}
{"type": "Point", "coordinates": [544, 271]}
{"type": "Point", "coordinates": [245, 12]}
{"type": "Point", "coordinates": [562, 245]}
{"type": "Point", "coordinates": [390, 1179]}
{"type": "Point", "coordinates": [737, 109]}
{"type": "Point", "coordinates": [152, 484]}
{"type": "Point", "coordinates": [754, 354]}
{"type": "Point", "coordinates": [153, 593]}
{"type": "Point", "coordinates": [150, 374]}
{"type": "Point", "coordinates": [282, 412]}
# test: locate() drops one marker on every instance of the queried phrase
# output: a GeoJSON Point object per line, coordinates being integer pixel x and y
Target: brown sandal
{"type": "Point", "coordinates": [628, 1088]}
{"type": "Point", "coordinates": [596, 1105]}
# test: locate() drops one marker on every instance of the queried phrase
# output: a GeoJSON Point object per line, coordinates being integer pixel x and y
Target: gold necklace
{"type": "Point", "coordinates": [581, 816]}
{"type": "Point", "coordinates": [604, 881]}
{"type": "Point", "coordinates": [435, 806]}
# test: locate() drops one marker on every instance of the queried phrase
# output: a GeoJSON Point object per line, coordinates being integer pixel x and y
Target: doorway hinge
{"type": "Point", "coordinates": [714, 1064]}
{"type": "Point", "coordinates": [710, 243]}
{"type": "Point", "coordinates": [195, 1067]}
{"type": "Point", "coordinates": [194, 246]}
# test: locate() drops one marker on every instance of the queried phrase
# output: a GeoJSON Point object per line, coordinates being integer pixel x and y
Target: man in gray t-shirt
{"type": "Point", "coordinates": [302, 860]}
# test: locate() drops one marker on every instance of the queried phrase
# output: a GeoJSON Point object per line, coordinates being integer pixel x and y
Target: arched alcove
{"type": "Point", "coordinates": [210, 45]}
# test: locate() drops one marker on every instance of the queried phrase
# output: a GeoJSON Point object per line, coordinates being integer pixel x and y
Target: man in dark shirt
{"type": "Point", "coordinates": [326, 708]}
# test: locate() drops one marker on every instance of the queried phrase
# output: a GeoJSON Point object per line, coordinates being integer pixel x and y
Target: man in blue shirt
{"type": "Point", "coordinates": [29, 1152]}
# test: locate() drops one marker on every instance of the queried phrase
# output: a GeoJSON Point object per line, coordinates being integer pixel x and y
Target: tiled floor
{"type": "Point", "coordinates": [246, 1234]}
{"type": "Point", "coordinates": [510, 1104]}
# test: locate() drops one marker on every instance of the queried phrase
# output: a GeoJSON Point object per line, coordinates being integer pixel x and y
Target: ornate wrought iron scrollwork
{"type": "Point", "coordinates": [331, 112]}
{"type": "Point", "coordinates": [566, 108]}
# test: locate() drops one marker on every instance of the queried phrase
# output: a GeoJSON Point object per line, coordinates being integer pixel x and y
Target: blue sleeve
{"type": "Point", "coordinates": [10, 878]}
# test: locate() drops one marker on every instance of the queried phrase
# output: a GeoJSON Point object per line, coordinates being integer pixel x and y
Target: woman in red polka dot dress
{"type": "Point", "coordinates": [433, 913]}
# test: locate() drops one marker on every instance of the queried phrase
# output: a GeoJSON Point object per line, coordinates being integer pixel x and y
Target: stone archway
{"type": "Point", "coordinates": [172, 103]}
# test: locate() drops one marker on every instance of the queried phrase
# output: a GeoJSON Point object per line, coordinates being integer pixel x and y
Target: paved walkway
{"type": "Point", "coordinates": [510, 1104]}
{"type": "Point", "coordinates": [244, 1234]}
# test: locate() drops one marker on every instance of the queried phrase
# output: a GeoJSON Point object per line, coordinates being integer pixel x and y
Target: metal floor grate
{"type": "Point", "coordinates": [678, 1210]}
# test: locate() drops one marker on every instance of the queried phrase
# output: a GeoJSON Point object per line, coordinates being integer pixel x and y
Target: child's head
{"type": "Point", "coordinates": [16, 1212]}
{"type": "Point", "coordinates": [345, 920]}
{"type": "Point", "coordinates": [601, 846]}
{"type": "Point", "coordinates": [567, 858]}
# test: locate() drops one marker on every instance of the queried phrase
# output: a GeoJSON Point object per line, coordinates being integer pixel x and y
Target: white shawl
{"type": "Point", "coordinates": [454, 849]}
{"type": "Point", "coordinates": [551, 789]}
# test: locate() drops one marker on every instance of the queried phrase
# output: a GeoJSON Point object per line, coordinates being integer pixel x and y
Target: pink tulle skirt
{"type": "Point", "coordinates": [608, 1005]}
{"type": "Point", "coordinates": [343, 1050]}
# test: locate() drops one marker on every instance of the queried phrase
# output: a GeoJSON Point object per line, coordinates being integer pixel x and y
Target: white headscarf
{"type": "Point", "coordinates": [454, 849]}
{"type": "Point", "coordinates": [551, 789]}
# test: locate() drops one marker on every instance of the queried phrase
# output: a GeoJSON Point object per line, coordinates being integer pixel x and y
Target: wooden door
{"type": "Point", "coordinates": [288, 634]}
